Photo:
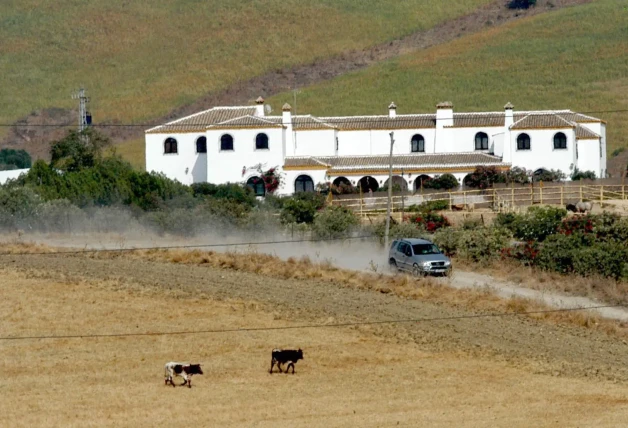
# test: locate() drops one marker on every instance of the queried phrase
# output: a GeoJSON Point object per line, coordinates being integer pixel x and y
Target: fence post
{"type": "Point", "coordinates": [601, 196]}
{"type": "Point", "coordinates": [623, 194]}
{"type": "Point", "coordinates": [541, 192]}
{"type": "Point", "coordinates": [531, 194]}
{"type": "Point", "coordinates": [450, 201]}
{"type": "Point", "coordinates": [512, 194]}
{"type": "Point", "coordinates": [562, 196]}
{"type": "Point", "coordinates": [581, 193]}
{"type": "Point", "coordinates": [464, 194]}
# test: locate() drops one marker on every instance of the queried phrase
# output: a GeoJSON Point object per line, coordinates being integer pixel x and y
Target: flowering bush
{"type": "Point", "coordinates": [575, 224]}
{"type": "Point", "coordinates": [430, 221]}
{"type": "Point", "coordinates": [272, 179]}
{"type": "Point", "coordinates": [526, 252]}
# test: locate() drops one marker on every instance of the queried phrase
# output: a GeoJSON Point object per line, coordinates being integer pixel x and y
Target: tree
{"type": "Point", "coordinates": [78, 150]}
{"type": "Point", "coordinates": [302, 207]}
{"type": "Point", "coordinates": [14, 159]}
{"type": "Point", "coordinates": [484, 177]}
{"type": "Point", "coordinates": [334, 222]}
{"type": "Point", "coordinates": [444, 181]}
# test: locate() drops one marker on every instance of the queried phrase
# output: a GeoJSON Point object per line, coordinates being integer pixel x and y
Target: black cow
{"type": "Point", "coordinates": [183, 370]}
{"type": "Point", "coordinates": [283, 356]}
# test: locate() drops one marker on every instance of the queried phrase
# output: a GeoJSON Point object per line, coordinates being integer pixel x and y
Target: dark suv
{"type": "Point", "coordinates": [419, 256]}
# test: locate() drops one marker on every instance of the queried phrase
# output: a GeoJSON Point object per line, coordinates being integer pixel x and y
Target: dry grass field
{"type": "Point", "coordinates": [468, 372]}
{"type": "Point", "coordinates": [571, 58]}
{"type": "Point", "coordinates": [349, 377]}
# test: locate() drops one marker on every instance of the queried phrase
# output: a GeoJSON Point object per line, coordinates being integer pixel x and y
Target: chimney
{"type": "Point", "coordinates": [259, 109]}
{"type": "Point", "coordinates": [286, 117]}
{"type": "Point", "coordinates": [444, 114]}
{"type": "Point", "coordinates": [289, 148]}
{"type": "Point", "coordinates": [392, 110]}
{"type": "Point", "coordinates": [509, 120]}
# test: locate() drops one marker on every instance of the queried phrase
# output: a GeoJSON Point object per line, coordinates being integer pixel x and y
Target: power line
{"type": "Point", "coordinates": [340, 120]}
{"type": "Point", "coordinates": [306, 326]}
{"type": "Point", "coordinates": [172, 247]}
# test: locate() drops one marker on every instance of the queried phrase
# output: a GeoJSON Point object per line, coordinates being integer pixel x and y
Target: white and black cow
{"type": "Point", "coordinates": [184, 370]}
{"type": "Point", "coordinates": [283, 356]}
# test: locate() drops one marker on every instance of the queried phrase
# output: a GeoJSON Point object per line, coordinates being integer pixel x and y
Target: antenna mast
{"type": "Point", "coordinates": [85, 118]}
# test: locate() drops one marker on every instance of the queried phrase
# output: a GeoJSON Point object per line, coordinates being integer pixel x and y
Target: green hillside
{"type": "Point", "coordinates": [140, 61]}
{"type": "Point", "coordinates": [574, 58]}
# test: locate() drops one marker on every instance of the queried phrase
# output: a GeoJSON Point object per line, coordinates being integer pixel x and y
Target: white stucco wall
{"type": "Point", "coordinates": [12, 174]}
{"type": "Point", "coordinates": [589, 156]}
{"type": "Point", "coordinates": [315, 143]}
{"type": "Point", "coordinates": [185, 166]}
{"type": "Point", "coordinates": [226, 166]}
{"type": "Point", "coordinates": [542, 153]}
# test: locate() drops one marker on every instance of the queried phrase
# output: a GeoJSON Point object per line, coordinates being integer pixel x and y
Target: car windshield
{"type": "Point", "coordinates": [420, 249]}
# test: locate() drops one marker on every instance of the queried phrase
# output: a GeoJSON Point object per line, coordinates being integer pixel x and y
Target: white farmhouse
{"type": "Point", "coordinates": [228, 144]}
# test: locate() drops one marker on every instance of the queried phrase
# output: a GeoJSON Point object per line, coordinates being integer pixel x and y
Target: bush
{"type": "Point", "coordinates": [582, 175]}
{"type": "Point", "coordinates": [617, 152]}
{"type": "Point", "coordinates": [334, 222]}
{"type": "Point", "coordinates": [448, 240]}
{"type": "Point", "coordinates": [484, 177]}
{"type": "Point", "coordinates": [549, 176]}
{"type": "Point", "coordinates": [428, 206]}
{"type": "Point", "coordinates": [517, 175]}
{"type": "Point", "coordinates": [444, 182]}
{"type": "Point", "coordinates": [430, 221]}
{"type": "Point", "coordinates": [483, 243]}
{"type": "Point", "coordinates": [398, 231]}
{"type": "Point", "coordinates": [536, 225]}
{"type": "Point", "coordinates": [230, 191]}
{"type": "Point", "coordinates": [302, 207]}
{"type": "Point", "coordinates": [60, 216]}
{"type": "Point", "coordinates": [18, 207]}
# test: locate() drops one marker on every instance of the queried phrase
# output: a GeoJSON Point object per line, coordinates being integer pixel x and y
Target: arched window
{"type": "Point", "coordinates": [420, 181]}
{"type": "Point", "coordinates": [418, 143]}
{"type": "Point", "coordinates": [257, 185]}
{"type": "Point", "coordinates": [481, 141]}
{"type": "Point", "coordinates": [170, 145]}
{"type": "Point", "coordinates": [226, 142]}
{"type": "Point", "coordinates": [560, 141]}
{"type": "Point", "coordinates": [261, 141]}
{"type": "Point", "coordinates": [304, 183]}
{"type": "Point", "coordinates": [201, 145]}
{"type": "Point", "coordinates": [523, 142]}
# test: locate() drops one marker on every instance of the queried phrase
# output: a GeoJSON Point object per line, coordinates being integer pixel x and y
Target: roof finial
{"type": "Point", "coordinates": [286, 107]}
{"type": "Point", "coordinates": [509, 106]}
{"type": "Point", "coordinates": [445, 104]}
{"type": "Point", "coordinates": [392, 106]}
{"type": "Point", "coordinates": [259, 100]}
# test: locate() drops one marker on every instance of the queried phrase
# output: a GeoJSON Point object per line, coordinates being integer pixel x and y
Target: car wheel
{"type": "Point", "coordinates": [392, 263]}
{"type": "Point", "coordinates": [417, 272]}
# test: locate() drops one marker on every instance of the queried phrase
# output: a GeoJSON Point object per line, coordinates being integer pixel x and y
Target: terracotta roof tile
{"type": "Point", "coordinates": [405, 121]}
{"type": "Point", "coordinates": [200, 121]}
{"type": "Point", "coordinates": [247, 122]}
{"type": "Point", "coordinates": [463, 120]}
{"type": "Point", "coordinates": [431, 161]}
{"type": "Point", "coordinates": [542, 120]}
{"type": "Point", "coordinates": [578, 117]}
{"type": "Point", "coordinates": [583, 133]}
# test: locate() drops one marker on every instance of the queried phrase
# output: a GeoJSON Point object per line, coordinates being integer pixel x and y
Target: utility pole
{"type": "Point", "coordinates": [85, 118]}
{"type": "Point", "coordinates": [390, 184]}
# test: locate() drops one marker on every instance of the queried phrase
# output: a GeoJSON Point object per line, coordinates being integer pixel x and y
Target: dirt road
{"type": "Point", "coordinates": [543, 347]}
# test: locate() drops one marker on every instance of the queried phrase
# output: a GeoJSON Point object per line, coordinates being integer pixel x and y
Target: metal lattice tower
{"type": "Point", "coordinates": [84, 116]}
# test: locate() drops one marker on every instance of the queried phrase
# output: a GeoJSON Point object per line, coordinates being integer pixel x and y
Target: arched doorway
{"type": "Point", "coordinates": [303, 183]}
{"type": "Point", "coordinates": [399, 184]}
{"type": "Point", "coordinates": [257, 185]}
{"type": "Point", "coordinates": [367, 184]}
{"type": "Point", "coordinates": [420, 181]}
{"type": "Point", "coordinates": [341, 180]}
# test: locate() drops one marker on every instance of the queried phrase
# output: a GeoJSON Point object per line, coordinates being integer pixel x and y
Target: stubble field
{"type": "Point", "coordinates": [472, 372]}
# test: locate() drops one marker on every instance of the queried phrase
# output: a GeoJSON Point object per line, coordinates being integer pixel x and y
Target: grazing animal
{"type": "Point", "coordinates": [283, 356]}
{"type": "Point", "coordinates": [184, 370]}
{"type": "Point", "coordinates": [572, 208]}
{"type": "Point", "coordinates": [584, 207]}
